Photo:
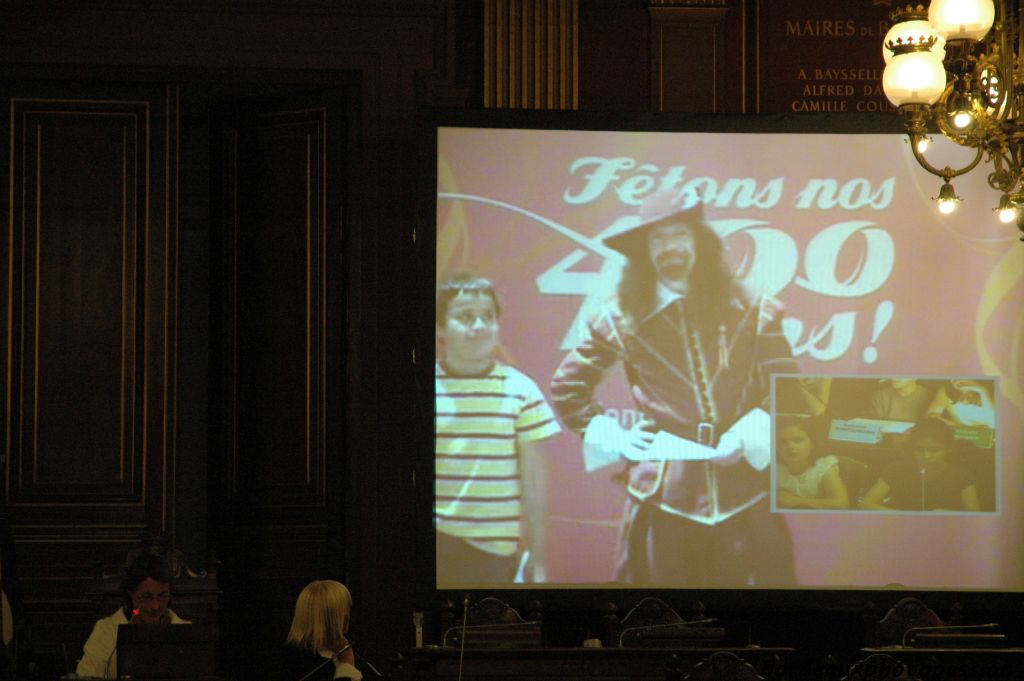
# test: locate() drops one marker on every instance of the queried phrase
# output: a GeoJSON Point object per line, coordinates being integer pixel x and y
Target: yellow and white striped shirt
{"type": "Point", "coordinates": [478, 423]}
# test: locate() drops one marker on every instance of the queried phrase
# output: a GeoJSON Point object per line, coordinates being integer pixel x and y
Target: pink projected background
{"type": "Point", "coordinates": [841, 229]}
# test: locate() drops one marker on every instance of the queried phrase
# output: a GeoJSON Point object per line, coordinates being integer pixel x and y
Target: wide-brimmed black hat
{"type": "Point", "coordinates": [630, 236]}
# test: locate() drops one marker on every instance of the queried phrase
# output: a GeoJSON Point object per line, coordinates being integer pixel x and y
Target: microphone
{"type": "Point", "coordinates": [923, 472]}
{"type": "Point", "coordinates": [669, 628]}
{"type": "Point", "coordinates": [447, 635]}
{"type": "Point", "coordinates": [462, 636]}
{"type": "Point", "coordinates": [369, 664]}
{"type": "Point", "coordinates": [336, 656]}
{"type": "Point", "coordinates": [462, 627]}
{"type": "Point", "coordinates": [417, 623]}
{"type": "Point", "coordinates": [946, 627]}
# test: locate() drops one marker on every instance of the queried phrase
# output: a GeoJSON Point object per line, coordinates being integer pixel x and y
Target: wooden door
{"type": "Point", "coordinates": [87, 302]}
{"type": "Point", "coordinates": [277, 292]}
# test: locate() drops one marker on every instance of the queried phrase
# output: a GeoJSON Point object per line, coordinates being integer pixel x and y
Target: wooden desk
{"type": "Point", "coordinates": [569, 664]}
{"type": "Point", "coordinates": [955, 664]}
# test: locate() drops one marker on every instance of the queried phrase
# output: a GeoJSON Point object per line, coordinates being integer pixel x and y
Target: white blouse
{"type": "Point", "coordinates": [806, 484]}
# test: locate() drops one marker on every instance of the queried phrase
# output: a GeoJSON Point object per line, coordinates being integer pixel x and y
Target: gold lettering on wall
{"type": "Point", "coordinates": [821, 58]}
{"type": "Point", "coordinates": [827, 89]}
{"type": "Point", "coordinates": [821, 28]}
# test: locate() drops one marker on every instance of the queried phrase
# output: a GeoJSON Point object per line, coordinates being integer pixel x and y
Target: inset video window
{"type": "Point", "coordinates": [897, 444]}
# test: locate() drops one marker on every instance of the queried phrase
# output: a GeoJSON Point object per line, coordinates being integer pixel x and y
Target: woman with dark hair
{"type": "Point", "coordinates": [806, 477]}
{"type": "Point", "coordinates": [925, 477]}
{"type": "Point", "coordinates": [316, 648]}
{"type": "Point", "coordinates": [146, 588]}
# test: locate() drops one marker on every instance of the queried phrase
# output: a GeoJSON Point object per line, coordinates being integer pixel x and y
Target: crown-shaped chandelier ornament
{"type": "Point", "coordinates": [957, 68]}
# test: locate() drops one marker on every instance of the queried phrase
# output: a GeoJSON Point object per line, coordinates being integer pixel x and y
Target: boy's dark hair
{"type": "Point", "coordinates": [464, 283]}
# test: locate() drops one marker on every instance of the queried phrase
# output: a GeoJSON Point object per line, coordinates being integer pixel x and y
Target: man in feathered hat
{"type": "Point", "coordinates": [698, 353]}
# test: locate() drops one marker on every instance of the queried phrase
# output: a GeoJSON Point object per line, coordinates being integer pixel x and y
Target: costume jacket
{"type": "Point", "coordinates": [680, 379]}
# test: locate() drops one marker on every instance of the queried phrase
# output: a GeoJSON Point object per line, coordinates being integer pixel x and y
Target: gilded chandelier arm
{"type": "Point", "coordinates": [957, 69]}
{"type": "Point", "coordinates": [1006, 175]}
{"type": "Point", "coordinates": [914, 116]}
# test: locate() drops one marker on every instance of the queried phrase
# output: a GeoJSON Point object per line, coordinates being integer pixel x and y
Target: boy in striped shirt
{"type": "Point", "coordinates": [490, 418]}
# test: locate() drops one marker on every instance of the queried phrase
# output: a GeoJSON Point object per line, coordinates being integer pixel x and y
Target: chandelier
{"type": "Point", "coordinates": [958, 68]}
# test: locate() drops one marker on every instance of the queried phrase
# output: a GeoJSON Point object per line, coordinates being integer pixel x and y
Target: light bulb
{"type": "Point", "coordinates": [1006, 211]}
{"type": "Point", "coordinates": [947, 198]}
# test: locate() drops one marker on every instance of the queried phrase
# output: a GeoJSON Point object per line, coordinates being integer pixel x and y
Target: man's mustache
{"type": "Point", "coordinates": [669, 258]}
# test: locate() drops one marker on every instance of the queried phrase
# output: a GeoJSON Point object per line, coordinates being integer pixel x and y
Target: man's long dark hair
{"type": "Point", "coordinates": [712, 283]}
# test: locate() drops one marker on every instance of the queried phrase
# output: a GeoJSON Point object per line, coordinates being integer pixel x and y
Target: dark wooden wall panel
{"type": "Point", "coordinates": [58, 565]}
{"type": "Point", "coordinates": [88, 317]}
{"type": "Point", "coordinates": [79, 230]}
{"type": "Point", "coordinates": [279, 232]}
{"type": "Point", "coordinates": [696, 62]}
{"type": "Point", "coordinates": [614, 56]}
{"type": "Point", "coordinates": [326, 518]}
{"type": "Point", "coordinates": [88, 304]}
{"type": "Point", "coordinates": [684, 88]}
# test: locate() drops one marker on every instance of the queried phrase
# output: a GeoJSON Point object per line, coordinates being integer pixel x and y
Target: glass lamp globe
{"type": "Point", "coordinates": [914, 78]}
{"type": "Point", "coordinates": [1007, 215]}
{"type": "Point", "coordinates": [961, 19]}
{"type": "Point", "coordinates": [947, 198]}
{"type": "Point", "coordinates": [912, 31]}
{"type": "Point", "coordinates": [962, 120]}
{"type": "Point", "coordinates": [1007, 212]}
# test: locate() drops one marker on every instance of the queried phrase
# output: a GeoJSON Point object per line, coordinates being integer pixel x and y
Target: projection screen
{"type": "Point", "coordinates": [874, 288]}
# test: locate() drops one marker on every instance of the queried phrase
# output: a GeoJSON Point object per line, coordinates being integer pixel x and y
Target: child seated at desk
{"type": "Point", "coordinates": [804, 477]}
{"type": "Point", "coordinates": [925, 478]}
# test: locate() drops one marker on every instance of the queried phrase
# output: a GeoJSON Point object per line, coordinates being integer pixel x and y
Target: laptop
{"type": "Point", "coordinates": [166, 652]}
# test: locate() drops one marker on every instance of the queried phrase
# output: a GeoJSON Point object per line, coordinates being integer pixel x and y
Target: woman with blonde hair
{"type": "Point", "coordinates": [316, 648]}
